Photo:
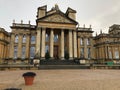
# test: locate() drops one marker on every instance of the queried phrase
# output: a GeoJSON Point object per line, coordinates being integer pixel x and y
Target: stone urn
{"type": "Point", "coordinates": [29, 78]}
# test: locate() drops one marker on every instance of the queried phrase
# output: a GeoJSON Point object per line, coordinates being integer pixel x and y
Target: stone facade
{"type": "Point", "coordinates": [57, 34]}
{"type": "Point", "coordinates": [4, 45]}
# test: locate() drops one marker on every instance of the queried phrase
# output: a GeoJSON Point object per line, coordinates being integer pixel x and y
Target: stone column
{"type": "Point", "coordinates": [51, 43]}
{"type": "Point", "coordinates": [12, 46]}
{"type": "Point", "coordinates": [70, 45]}
{"type": "Point", "coordinates": [20, 45]}
{"type": "Point", "coordinates": [43, 43]}
{"type": "Point", "coordinates": [38, 41]}
{"type": "Point", "coordinates": [75, 44]}
{"type": "Point", "coordinates": [62, 45]}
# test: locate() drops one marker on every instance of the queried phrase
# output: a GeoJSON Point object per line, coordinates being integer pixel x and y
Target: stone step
{"type": "Point", "coordinates": [58, 62]}
{"type": "Point", "coordinates": [64, 67]}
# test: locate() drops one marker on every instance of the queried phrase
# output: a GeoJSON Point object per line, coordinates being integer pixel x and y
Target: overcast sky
{"type": "Point", "coordinates": [99, 13]}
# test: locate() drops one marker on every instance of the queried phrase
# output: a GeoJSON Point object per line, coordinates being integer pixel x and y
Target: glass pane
{"type": "Point", "coordinates": [56, 38]}
{"type": "Point", "coordinates": [24, 39]}
{"type": "Point", "coordinates": [16, 39]}
{"type": "Point", "coordinates": [15, 51]}
{"type": "Point", "coordinates": [23, 52]}
{"type": "Point", "coordinates": [32, 52]}
{"type": "Point", "coordinates": [47, 37]}
{"type": "Point", "coordinates": [46, 48]}
{"type": "Point", "coordinates": [33, 40]}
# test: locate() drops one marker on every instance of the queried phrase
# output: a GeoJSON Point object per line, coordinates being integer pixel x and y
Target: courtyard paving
{"type": "Point", "coordinates": [63, 80]}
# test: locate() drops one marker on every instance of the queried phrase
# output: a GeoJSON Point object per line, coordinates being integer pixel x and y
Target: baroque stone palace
{"type": "Point", "coordinates": [57, 35]}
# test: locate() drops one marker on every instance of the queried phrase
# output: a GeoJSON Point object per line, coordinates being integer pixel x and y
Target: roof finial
{"type": "Point", "coordinates": [29, 21]}
{"type": "Point", "coordinates": [56, 7]}
{"type": "Point", "coordinates": [101, 31]}
{"type": "Point", "coordinates": [84, 25]}
{"type": "Point", "coordinates": [14, 21]}
{"type": "Point", "coordinates": [21, 21]}
{"type": "Point", "coordinates": [90, 25]}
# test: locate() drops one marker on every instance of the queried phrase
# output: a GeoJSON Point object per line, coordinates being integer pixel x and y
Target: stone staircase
{"type": "Point", "coordinates": [61, 64]}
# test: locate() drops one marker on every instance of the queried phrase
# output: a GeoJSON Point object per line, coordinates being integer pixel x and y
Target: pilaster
{"type": "Point", "coordinates": [12, 45]}
{"type": "Point", "coordinates": [20, 46]}
{"type": "Point", "coordinates": [27, 45]}
{"type": "Point", "coordinates": [85, 50]}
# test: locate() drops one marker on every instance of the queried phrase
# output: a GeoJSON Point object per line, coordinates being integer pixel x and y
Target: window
{"type": "Point", "coordinates": [82, 52]}
{"type": "Point", "coordinates": [88, 41]}
{"type": "Point", "coordinates": [23, 52]}
{"type": "Point", "coordinates": [16, 39]}
{"type": "Point", "coordinates": [116, 53]}
{"type": "Point", "coordinates": [81, 41]}
{"type": "Point", "coordinates": [47, 38]}
{"type": "Point", "coordinates": [110, 53]}
{"type": "Point", "coordinates": [24, 39]}
{"type": "Point", "coordinates": [32, 39]}
{"type": "Point", "coordinates": [56, 38]}
{"type": "Point", "coordinates": [15, 51]}
{"type": "Point", "coordinates": [46, 48]}
{"type": "Point", "coordinates": [88, 53]}
{"type": "Point", "coordinates": [32, 52]}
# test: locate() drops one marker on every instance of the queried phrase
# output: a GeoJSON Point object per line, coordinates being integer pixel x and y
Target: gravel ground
{"type": "Point", "coordinates": [63, 80]}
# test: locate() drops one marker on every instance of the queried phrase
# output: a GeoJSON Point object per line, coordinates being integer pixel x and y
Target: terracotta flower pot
{"type": "Point", "coordinates": [29, 78]}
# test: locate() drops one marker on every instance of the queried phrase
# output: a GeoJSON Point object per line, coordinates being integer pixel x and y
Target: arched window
{"type": "Point", "coordinates": [24, 39]}
{"type": "Point", "coordinates": [88, 41]}
{"type": "Point", "coordinates": [16, 39]}
{"type": "Point", "coordinates": [56, 38]}
{"type": "Point", "coordinates": [32, 39]}
{"type": "Point", "coordinates": [81, 41]}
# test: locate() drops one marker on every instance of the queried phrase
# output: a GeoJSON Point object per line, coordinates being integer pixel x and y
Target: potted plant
{"type": "Point", "coordinates": [29, 77]}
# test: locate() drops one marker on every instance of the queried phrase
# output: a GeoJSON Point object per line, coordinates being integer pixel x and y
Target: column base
{"type": "Point", "coordinates": [51, 58]}
{"type": "Point", "coordinates": [70, 58]}
{"type": "Point", "coordinates": [42, 58]}
{"type": "Point", "coordinates": [62, 58]}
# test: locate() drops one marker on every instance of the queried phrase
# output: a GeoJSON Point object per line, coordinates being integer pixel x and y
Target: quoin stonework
{"type": "Point", "coordinates": [58, 35]}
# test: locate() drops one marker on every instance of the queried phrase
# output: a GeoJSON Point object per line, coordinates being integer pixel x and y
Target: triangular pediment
{"type": "Point", "coordinates": [57, 18]}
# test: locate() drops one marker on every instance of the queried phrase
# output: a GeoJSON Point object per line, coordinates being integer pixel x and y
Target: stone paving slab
{"type": "Point", "coordinates": [63, 80]}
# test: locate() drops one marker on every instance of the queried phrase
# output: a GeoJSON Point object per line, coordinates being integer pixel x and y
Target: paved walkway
{"type": "Point", "coordinates": [63, 80]}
